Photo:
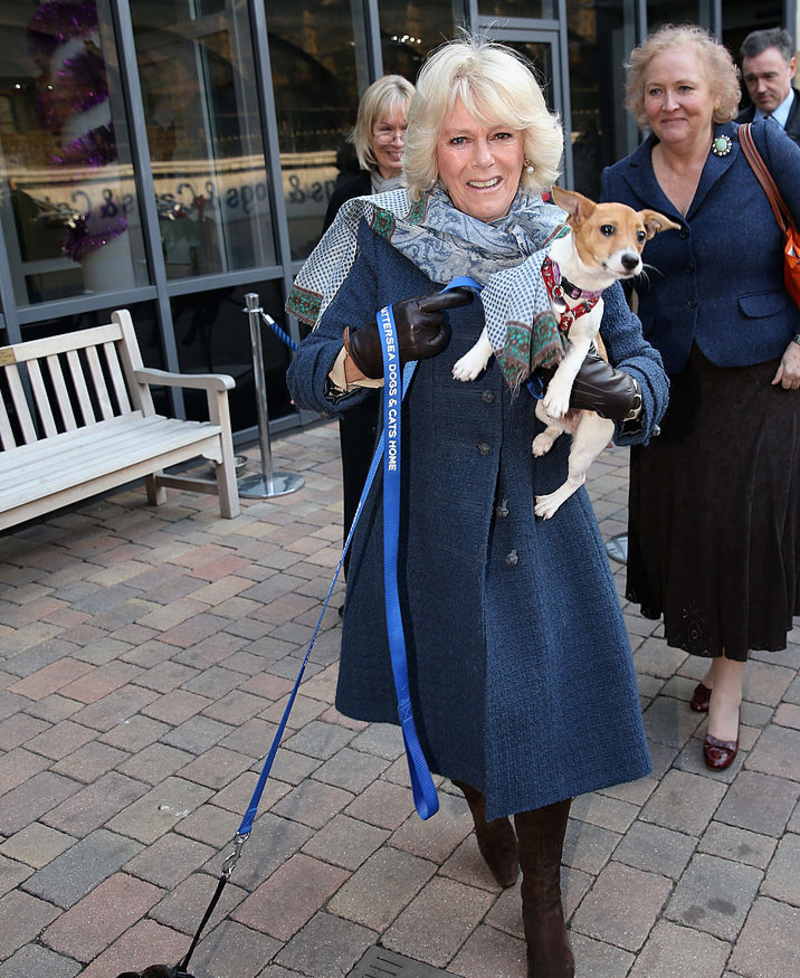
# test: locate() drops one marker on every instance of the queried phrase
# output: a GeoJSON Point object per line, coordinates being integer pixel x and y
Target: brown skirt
{"type": "Point", "coordinates": [714, 512]}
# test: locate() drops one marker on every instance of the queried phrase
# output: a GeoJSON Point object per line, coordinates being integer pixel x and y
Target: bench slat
{"type": "Point", "coordinates": [61, 392]}
{"type": "Point", "coordinates": [20, 403]}
{"type": "Point", "coordinates": [99, 381]}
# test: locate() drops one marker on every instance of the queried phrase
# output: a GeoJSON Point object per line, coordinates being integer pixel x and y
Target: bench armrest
{"type": "Point", "coordinates": [167, 378]}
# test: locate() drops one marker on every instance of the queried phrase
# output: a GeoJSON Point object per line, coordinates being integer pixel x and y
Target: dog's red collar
{"type": "Point", "coordinates": [551, 274]}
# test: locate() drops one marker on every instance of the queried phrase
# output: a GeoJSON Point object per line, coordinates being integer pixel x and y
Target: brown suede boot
{"type": "Point", "coordinates": [540, 835]}
{"type": "Point", "coordinates": [496, 839]}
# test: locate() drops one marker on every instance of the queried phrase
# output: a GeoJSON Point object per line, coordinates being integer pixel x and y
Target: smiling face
{"type": "Point", "coordinates": [677, 98]}
{"type": "Point", "coordinates": [387, 140]}
{"type": "Point", "coordinates": [768, 78]}
{"type": "Point", "coordinates": [479, 166]}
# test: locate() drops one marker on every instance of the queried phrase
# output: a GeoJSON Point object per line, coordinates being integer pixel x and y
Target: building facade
{"type": "Point", "coordinates": [171, 156]}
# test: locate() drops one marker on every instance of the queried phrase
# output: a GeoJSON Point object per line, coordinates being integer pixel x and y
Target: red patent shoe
{"type": "Point", "coordinates": [719, 754]}
{"type": "Point", "coordinates": [700, 699]}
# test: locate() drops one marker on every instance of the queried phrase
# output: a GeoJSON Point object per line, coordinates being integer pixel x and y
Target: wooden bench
{"type": "Point", "coordinates": [77, 418]}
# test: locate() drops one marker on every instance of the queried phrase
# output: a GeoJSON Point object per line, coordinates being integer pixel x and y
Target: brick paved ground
{"type": "Point", "coordinates": [146, 656]}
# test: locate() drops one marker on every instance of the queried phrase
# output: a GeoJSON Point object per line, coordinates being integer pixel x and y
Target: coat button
{"type": "Point", "coordinates": [689, 268]}
{"type": "Point", "coordinates": [487, 397]}
{"type": "Point", "coordinates": [483, 448]}
{"type": "Point", "coordinates": [502, 509]}
{"type": "Point", "coordinates": [512, 559]}
{"type": "Point", "coordinates": [684, 233]}
{"type": "Point", "coordinates": [691, 303]}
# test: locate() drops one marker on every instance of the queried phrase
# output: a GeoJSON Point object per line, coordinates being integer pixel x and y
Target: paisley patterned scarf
{"type": "Point", "coordinates": [505, 257]}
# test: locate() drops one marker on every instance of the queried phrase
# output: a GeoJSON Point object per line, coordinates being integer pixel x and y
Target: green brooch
{"type": "Point", "coordinates": [721, 145]}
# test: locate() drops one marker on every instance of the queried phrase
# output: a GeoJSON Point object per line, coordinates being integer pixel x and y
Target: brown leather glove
{"type": "Point", "coordinates": [422, 331]}
{"type": "Point", "coordinates": [600, 387]}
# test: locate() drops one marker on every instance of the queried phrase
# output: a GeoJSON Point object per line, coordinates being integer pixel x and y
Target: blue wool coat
{"type": "Point", "coordinates": [736, 310]}
{"type": "Point", "coordinates": [520, 670]}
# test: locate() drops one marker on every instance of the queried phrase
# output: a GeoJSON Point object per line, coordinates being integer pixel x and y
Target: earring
{"type": "Point", "coordinates": [528, 165]}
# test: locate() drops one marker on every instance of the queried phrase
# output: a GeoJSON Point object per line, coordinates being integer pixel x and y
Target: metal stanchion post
{"type": "Point", "coordinates": [269, 483]}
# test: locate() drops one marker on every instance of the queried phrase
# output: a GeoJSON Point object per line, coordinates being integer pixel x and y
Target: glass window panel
{"type": "Point", "coordinates": [313, 55]}
{"type": "Point", "coordinates": [516, 8]}
{"type": "Point", "coordinates": [212, 332]}
{"type": "Point", "coordinates": [410, 31]}
{"type": "Point", "coordinates": [204, 132]}
{"type": "Point", "coordinates": [68, 205]}
{"type": "Point", "coordinates": [599, 123]}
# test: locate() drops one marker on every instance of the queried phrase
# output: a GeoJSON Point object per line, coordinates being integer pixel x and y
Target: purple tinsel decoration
{"type": "Point", "coordinates": [79, 85]}
{"type": "Point", "coordinates": [91, 232]}
{"type": "Point", "coordinates": [94, 148]}
{"type": "Point", "coordinates": [57, 22]}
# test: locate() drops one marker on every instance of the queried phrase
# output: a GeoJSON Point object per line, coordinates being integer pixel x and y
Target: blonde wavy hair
{"type": "Point", "coordinates": [377, 102]}
{"type": "Point", "coordinates": [718, 65]}
{"type": "Point", "coordinates": [497, 87]}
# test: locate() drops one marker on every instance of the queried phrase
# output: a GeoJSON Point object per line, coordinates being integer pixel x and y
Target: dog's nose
{"type": "Point", "coordinates": [629, 261]}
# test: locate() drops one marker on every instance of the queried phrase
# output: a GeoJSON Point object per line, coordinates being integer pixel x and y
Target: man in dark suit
{"type": "Point", "coordinates": [768, 66]}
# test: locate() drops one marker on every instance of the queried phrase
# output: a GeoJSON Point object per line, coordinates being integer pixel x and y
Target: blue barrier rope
{"type": "Point", "coordinates": [278, 331]}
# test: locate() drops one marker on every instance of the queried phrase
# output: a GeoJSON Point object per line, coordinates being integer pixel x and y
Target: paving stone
{"type": "Point", "coordinates": [467, 865]}
{"type": "Point", "coordinates": [233, 951]}
{"type": "Point", "coordinates": [320, 740]}
{"type": "Point", "coordinates": [489, 953]}
{"type": "Point", "coordinates": [588, 847]}
{"type": "Point", "coordinates": [290, 897]}
{"type": "Point", "coordinates": [623, 906]}
{"type": "Point", "coordinates": [383, 804]}
{"type": "Point", "coordinates": [94, 805]}
{"type": "Point", "coordinates": [351, 770]}
{"type": "Point", "coordinates": [737, 844]}
{"type": "Point", "coordinates": [313, 803]}
{"type": "Point", "coordinates": [254, 738]}
{"type": "Point", "coordinates": [345, 842]}
{"type": "Point", "coordinates": [77, 871]}
{"type": "Point", "coordinates": [216, 768]}
{"type": "Point", "coordinates": [327, 947]}
{"type": "Point", "coordinates": [146, 943]}
{"type": "Point", "coordinates": [381, 887]}
{"type": "Point", "coordinates": [273, 841]}
{"type": "Point", "coordinates": [605, 812]}
{"type": "Point", "coordinates": [90, 762]}
{"type": "Point", "coordinates": [88, 927]}
{"type": "Point", "coordinates": [183, 908]}
{"type": "Point", "coordinates": [12, 873]}
{"type": "Point", "coordinates": [155, 763]}
{"type": "Point", "coordinates": [437, 921]}
{"type": "Point", "coordinates": [197, 735]}
{"type": "Point", "coordinates": [159, 810]}
{"type": "Point", "coordinates": [783, 878]}
{"type": "Point", "coordinates": [134, 733]}
{"type": "Point", "coordinates": [382, 739]}
{"type": "Point", "coordinates": [18, 765]}
{"type": "Point", "coordinates": [18, 728]}
{"type": "Point", "coordinates": [655, 849]}
{"type": "Point", "coordinates": [714, 895]}
{"type": "Point", "coordinates": [767, 946]}
{"type": "Point", "coordinates": [436, 839]}
{"type": "Point", "coordinates": [210, 824]}
{"type": "Point", "coordinates": [169, 860]}
{"type": "Point", "coordinates": [115, 708]}
{"type": "Point", "coordinates": [35, 961]}
{"type": "Point", "coordinates": [759, 802]}
{"type": "Point", "coordinates": [684, 802]}
{"type": "Point", "coordinates": [777, 752]}
{"type": "Point", "coordinates": [595, 959]}
{"type": "Point", "coordinates": [36, 845]}
{"type": "Point", "coordinates": [22, 917]}
{"type": "Point", "coordinates": [32, 799]}
{"type": "Point", "coordinates": [672, 950]}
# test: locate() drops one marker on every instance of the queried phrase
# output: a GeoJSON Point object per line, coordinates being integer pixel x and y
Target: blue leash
{"type": "Point", "coordinates": [426, 800]}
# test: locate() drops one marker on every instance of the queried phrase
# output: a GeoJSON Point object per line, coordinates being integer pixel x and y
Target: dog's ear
{"type": "Point", "coordinates": [655, 222]}
{"type": "Point", "coordinates": [576, 205]}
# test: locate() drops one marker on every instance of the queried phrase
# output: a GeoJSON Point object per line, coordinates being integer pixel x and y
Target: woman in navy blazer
{"type": "Point", "coordinates": [714, 513]}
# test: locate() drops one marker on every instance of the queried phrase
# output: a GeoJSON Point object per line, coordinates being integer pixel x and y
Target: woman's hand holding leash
{"type": "Point", "coordinates": [422, 331]}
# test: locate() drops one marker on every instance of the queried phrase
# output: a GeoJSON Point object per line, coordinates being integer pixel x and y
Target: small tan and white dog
{"type": "Point", "coordinates": [604, 246]}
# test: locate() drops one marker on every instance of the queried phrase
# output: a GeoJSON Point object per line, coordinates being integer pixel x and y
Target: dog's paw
{"type": "Point", "coordinates": [468, 367]}
{"type": "Point", "coordinates": [542, 444]}
{"type": "Point", "coordinates": [556, 401]}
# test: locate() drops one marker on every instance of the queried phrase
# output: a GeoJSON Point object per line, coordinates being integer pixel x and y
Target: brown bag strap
{"type": "Point", "coordinates": [779, 209]}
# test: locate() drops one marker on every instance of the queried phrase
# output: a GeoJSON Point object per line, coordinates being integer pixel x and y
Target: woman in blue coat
{"type": "Point", "coordinates": [520, 671]}
{"type": "Point", "coordinates": [714, 514]}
